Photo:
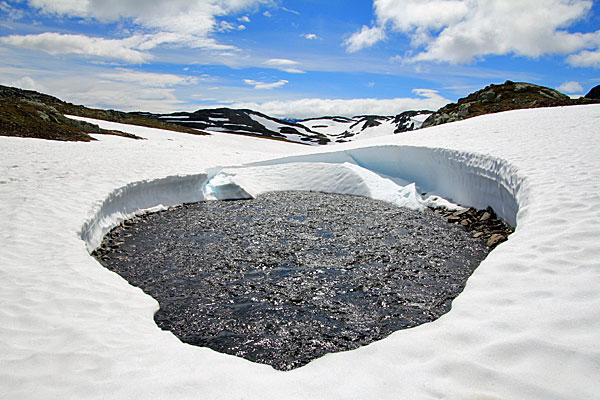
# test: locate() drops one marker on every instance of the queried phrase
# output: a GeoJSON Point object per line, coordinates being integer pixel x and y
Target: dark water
{"type": "Point", "coordinates": [290, 276]}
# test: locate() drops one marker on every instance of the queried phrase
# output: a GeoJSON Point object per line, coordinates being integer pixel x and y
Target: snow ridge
{"type": "Point", "coordinates": [380, 172]}
{"type": "Point", "coordinates": [139, 197]}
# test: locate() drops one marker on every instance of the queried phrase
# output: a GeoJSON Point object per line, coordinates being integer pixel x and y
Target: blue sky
{"type": "Point", "coordinates": [294, 58]}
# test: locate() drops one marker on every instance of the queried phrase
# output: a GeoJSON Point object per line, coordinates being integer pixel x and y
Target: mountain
{"type": "Point", "coordinates": [496, 98]}
{"type": "Point", "coordinates": [315, 131]}
{"type": "Point", "coordinates": [344, 129]}
{"type": "Point", "coordinates": [27, 113]}
{"type": "Point", "coordinates": [243, 122]}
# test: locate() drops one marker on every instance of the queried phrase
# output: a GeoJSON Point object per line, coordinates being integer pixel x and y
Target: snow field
{"type": "Point", "coordinates": [526, 326]}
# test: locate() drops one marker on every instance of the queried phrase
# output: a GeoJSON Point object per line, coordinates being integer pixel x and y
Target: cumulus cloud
{"type": "Point", "coordinates": [177, 22]}
{"type": "Point", "coordinates": [570, 87]}
{"type": "Point", "coordinates": [56, 43]}
{"type": "Point", "coordinates": [284, 65]}
{"type": "Point", "coordinates": [585, 58]}
{"type": "Point", "coordinates": [308, 108]}
{"type": "Point", "coordinates": [263, 85]}
{"type": "Point", "coordinates": [460, 31]}
{"type": "Point", "coordinates": [366, 37]}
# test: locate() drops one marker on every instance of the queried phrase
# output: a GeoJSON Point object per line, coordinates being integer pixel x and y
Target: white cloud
{"type": "Point", "coordinates": [149, 79]}
{"type": "Point", "coordinates": [225, 26]}
{"type": "Point", "coordinates": [290, 11]}
{"type": "Point", "coordinates": [267, 14]}
{"type": "Point", "coordinates": [310, 36]}
{"type": "Point", "coordinates": [284, 65]}
{"type": "Point", "coordinates": [56, 43]}
{"type": "Point", "coordinates": [459, 31]}
{"type": "Point", "coordinates": [570, 87]}
{"type": "Point", "coordinates": [411, 14]}
{"type": "Point", "coordinates": [244, 19]}
{"type": "Point", "coordinates": [121, 96]}
{"type": "Point", "coordinates": [263, 85]}
{"type": "Point", "coordinates": [585, 58]}
{"type": "Point", "coordinates": [367, 37]}
{"type": "Point", "coordinates": [177, 22]}
{"type": "Point", "coordinates": [24, 82]}
{"type": "Point", "coordinates": [308, 108]}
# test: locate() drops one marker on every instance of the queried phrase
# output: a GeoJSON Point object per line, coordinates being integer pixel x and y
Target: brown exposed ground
{"type": "Point", "coordinates": [26, 113]}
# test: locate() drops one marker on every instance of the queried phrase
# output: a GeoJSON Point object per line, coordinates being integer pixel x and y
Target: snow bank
{"type": "Point", "coordinates": [139, 197]}
{"type": "Point", "coordinates": [526, 326]}
{"type": "Point", "coordinates": [469, 179]}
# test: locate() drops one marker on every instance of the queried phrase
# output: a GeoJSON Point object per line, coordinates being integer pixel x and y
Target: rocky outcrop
{"type": "Point", "coordinates": [496, 98]}
{"type": "Point", "coordinates": [594, 93]}
{"type": "Point", "coordinates": [483, 224]}
{"type": "Point", "coordinates": [29, 116]}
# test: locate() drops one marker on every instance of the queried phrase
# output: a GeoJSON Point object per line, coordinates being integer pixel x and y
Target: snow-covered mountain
{"type": "Point", "coordinates": [316, 131]}
{"type": "Point", "coordinates": [343, 129]}
{"type": "Point", "coordinates": [244, 122]}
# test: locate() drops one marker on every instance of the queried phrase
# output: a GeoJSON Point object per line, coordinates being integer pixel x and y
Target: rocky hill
{"type": "Point", "coordinates": [496, 98]}
{"type": "Point", "coordinates": [26, 113]}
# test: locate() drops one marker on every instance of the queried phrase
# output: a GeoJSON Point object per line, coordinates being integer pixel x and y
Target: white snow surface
{"type": "Point", "coordinates": [526, 326]}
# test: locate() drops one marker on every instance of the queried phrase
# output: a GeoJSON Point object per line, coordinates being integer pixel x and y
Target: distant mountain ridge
{"type": "Point", "coordinates": [315, 131]}
{"type": "Point", "coordinates": [26, 113]}
{"type": "Point", "coordinates": [243, 122]}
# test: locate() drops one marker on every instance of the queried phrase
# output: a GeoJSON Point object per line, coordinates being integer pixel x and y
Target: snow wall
{"type": "Point", "coordinates": [139, 197]}
{"type": "Point", "coordinates": [469, 179]}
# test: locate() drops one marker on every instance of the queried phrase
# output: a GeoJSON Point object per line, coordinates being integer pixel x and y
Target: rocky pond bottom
{"type": "Point", "coordinates": [290, 276]}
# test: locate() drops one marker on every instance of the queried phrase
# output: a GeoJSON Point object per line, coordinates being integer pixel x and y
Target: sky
{"type": "Point", "coordinates": [294, 59]}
